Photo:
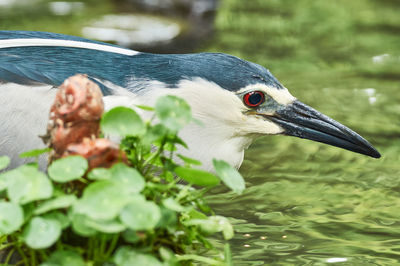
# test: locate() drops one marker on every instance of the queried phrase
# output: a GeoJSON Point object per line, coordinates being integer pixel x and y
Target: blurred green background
{"type": "Point", "coordinates": [306, 203]}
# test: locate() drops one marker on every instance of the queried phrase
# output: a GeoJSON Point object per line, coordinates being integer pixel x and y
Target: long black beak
{"type": "Point", "coordinates": [300, 120]}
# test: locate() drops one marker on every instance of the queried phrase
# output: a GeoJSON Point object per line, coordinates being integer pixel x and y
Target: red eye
{"type": "Point", "coordinates": [254, 98]}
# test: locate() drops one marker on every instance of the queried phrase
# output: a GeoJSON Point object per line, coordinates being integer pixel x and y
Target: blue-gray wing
{"type": "Point", "coordinates": [46, 58]}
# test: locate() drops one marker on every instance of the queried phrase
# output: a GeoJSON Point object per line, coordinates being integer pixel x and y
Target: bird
{"type": "Point", "coordinates": [235, 100]}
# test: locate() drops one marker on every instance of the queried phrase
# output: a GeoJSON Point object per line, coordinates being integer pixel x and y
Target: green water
{"type": "Point", "coordinates": [306, 203]}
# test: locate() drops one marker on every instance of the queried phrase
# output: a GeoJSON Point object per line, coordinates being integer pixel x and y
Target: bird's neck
{"type": "Point", "coordinates": [218, 135]}
{"type": "Point", "coordinates": [209, 141]}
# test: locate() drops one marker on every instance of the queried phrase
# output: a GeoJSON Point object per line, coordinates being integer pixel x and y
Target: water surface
{"type": "Point", "coordinates": [307, 203]}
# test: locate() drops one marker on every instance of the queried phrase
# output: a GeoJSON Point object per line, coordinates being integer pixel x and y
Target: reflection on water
{"type": "Point", "coordinates": [307, 203]}
{"type": "Point", "coordinates": [65, 8]}
{"type": "Point", "coordinates": [128, 30]}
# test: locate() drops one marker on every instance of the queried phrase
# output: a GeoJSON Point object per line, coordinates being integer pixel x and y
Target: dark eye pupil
{"type": "Point", "coordinates": [255, 98]}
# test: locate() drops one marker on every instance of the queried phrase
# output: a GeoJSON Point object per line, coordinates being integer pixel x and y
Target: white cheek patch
{"type": "Point", "coordinates": [207, 99]}
{"type": "Point", "coordinates": [222, 110]}
{"type": "Point", "coordinates": [281, 96]}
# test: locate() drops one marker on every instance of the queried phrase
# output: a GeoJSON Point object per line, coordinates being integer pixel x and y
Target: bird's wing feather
{"type": "Point", "coordinates": [48, 58]}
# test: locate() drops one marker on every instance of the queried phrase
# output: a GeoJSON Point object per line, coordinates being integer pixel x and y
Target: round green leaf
{"type": "Point", "coordinates": [27, 184]}
{"type": "Point", "coordinates": [122, 121]}
{"type": "Point", "coordinates": [99, 174]}
{"type": "Point", "coordinates": [168, 218]}
{"type": "Point", "coordinates": [140, 215]}
{"type": "Point", "coordinates": [131, 236]}
{"type": "Point", "coordinates": [229, 175]}
{"type": "Point", "coordinates": [154, 133]}
{"type": "Point", "coordinates": [102, 200]}
{"type": "Point", "coordinates": [64, 258]}
{"type": "Point", "coordinates": [57, 203]}
{"type": "Point", "coordinates": [60, 217]}
{"type": "Point", "coordinates": [109, 227]}
{"type": "Point", "coordinates": [68, 169]}
{"type": "Point", "coordinates": [197, 176]}
{"type": "Point", "coordinates": [79, 225]}
{"type": "Point", "coordinates": [41, 232]}
{"type": "Point", "coordinates": [126, 256]}
{"type": "Point", "coordinates": [4, 162]}
{"type": "Point", "coordinates": [173, 112]}
{"type": "Point", "coordinates": [11, 217]}
{"type": "Point", "coordinates": [128, 177]}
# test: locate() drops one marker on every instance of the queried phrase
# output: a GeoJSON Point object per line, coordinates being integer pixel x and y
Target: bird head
{"type": "Point", "coordinates": [248, 97]}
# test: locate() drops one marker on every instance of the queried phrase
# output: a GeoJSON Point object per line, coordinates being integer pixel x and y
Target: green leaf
{"type": "Point", "coordinates": [130, 236]}
{"type": "Point", "coordinates": [68, 169]}
{"type": "Point", "coordinates": [140, 214]}
{"type": "Point", "coordinates": [213, 224]}
{"type": "Point", "coordinates": [79, 225]}
{"type": "Point", "coordinates": [3, 181]}
{"type": "Point", "coordinates": [128, 177]}
{"type": "Point", "coordinates": [145, 107]}
{"type": "Point", "coordinates": [171, 204]}
{"type": "Point", "coordinates": [60, 217]}
{"type": "Point", "coordinates": [173, 112]}
{"type": "Point", "coordinates": [197, 176]}
{"type": "Point", "coordinates": [11, 217]}
{"type": "Point", "coordinates": [109, 227]}
{"type": "Point", "coordinates": [177, 140]}
{"type": "Point", "coordinates": [4, 162]}
{"type": "Point", "coordinates": [122, 121]}
{"type": "Point", "coordinates": [168, 219]}
{"type": "Point", "coordinates": [168, 256]}
{"type": "Point", "coordinates": [99, 174]}
{"type": "Point", "coordinates": [154, 133]}
{"type": "Point", "coordinates": [41, 232]}
{"type": "Point", "coordinates": [194, 214]}
{"type": "Point", "coordinates": [57, 203]}
{"type": "Point", "coordinates": [229, 175]}
{"type": "Point", "coordinates": [189, 160]}
{"type": "Point", "coordinates": [34, 153]}
{"type": "Point", "coordinates": [126, 256]}
{"type": "Point", "coordinates": [26, 184]}
{"type": "Point", "coordinates": [102, 199]}
{"type": "Point", "coordinates": [64, 258]}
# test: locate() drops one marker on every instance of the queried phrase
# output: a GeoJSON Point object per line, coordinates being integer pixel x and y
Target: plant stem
{"type": "Point", "coordinates": [103, 244]}
{"type": "Point", "coordinates": [151, 159]}
{"type": "Point", "coordinates": [9, 244]}
{"type": "Point", "coordinates": [33, 257]}
{"type": "Point", "coordinates": [90, 248]}
{"type": "Point", "coordinates": [10, 253]}
{"type": "Point", "coordinates": [112, 246]}
{"type": "Point", "coordinates": [22, 254]}
{"type": "Point", "coordinates": [43, 255]}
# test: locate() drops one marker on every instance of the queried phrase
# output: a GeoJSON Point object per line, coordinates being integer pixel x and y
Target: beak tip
{"type": "Point", "coordinates": [375, 154]}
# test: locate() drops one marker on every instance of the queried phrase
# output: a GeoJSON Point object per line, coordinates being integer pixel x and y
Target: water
{"type": "Point", "coordinates": [306, 203]}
